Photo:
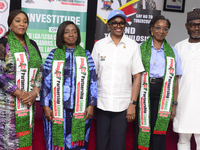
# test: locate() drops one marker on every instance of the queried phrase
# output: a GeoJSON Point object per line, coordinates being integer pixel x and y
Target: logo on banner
{"type": "Point", "coordinates": [22, 62]}
{"type": "Point", "coordinates": [70, 2]}
{"type": "Point", "coordinates": [29, 1]}
{"type": "Point", "coordinates": [127, 8]}
{"type": "Point", "coordinates": [107, 5]}
{"type": "Point", "coordinates": [3, 6]}
{"type": "Point", "coordinates": [58, 71]}
{"type": "Point", "coordinates": [2, 30]}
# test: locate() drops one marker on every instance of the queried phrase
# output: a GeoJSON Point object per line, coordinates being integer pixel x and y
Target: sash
{"type": "Point", "coordinates": [166, 97]}
{"type": "Point", "coordinates": [81, 92]}
{"type": "Point", "coordinates": [25, 74]}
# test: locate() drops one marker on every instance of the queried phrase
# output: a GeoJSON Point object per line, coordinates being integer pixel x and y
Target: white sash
{"type": "Point", "coordinates": [81, 86]}
{"type": "Point", "coordinates": [167, 92]}
{"type": "Point", "coordinates": [57, 79]}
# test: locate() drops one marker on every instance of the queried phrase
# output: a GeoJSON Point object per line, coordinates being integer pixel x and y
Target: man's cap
{"type": "Point", "coordinates": [192, 15]}
{"type": "Point", "coordinates": [115, 13]}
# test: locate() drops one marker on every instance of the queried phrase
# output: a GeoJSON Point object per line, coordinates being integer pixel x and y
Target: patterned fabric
{"type": "Point", "coordinates": [192, 15]}
{"type": "Point", "coordinates": [69, 93]}
{"type": "Point", "coordinates": [8, 139]}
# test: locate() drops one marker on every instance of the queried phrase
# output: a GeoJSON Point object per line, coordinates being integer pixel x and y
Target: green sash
{"type": "Point", "coordinates": [81, 92]}
{"type": "Point", "coordinates": [25, 74]}
{"type": "Point", "coordinates": [166, 97]}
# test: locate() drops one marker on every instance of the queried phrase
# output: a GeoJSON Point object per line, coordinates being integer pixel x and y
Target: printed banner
{"type": "Point", "coordinates": [46, 15]}
{"type": "Point", "coordinates": [4, 12]}
{"type": "Point", "coordinates": [138, 17]}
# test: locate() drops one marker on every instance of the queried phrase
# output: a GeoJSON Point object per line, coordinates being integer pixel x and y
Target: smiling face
{"type": "Point", "coordinates": [160, 30]}
{"type": "Point", "coordinates": [193, 28]}
{"type": "Point", "coordinates": [19, 25]}
{"type": "Point", "coordinates": [70, 36]}
{"type": "Point", "coordinates": [118, 30]}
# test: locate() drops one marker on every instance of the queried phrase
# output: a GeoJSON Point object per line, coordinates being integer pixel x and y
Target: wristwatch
{"type": "Point", "coordinates": [175, 103]}
{"type": "Point", "coordinates": [133, 102]}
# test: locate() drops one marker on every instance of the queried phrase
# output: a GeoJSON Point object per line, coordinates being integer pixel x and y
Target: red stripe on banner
{"type": "Point", "coordinates": [142, 147]}
{"type": "Point", "coordinates": [54, 101]}
{"type": "Point", "coordinates": [18, 100]}
{"type": "Point", "coordinates": [25, 148]}
{"type": "Point", "coordinates": [142, 111]}
{"type": "Point", "coordinates": [164, 96]}
{"type": "Point", "coordinates": [78, 97]}
{"type": "Point", "coordinates": [159, 132]}
{"type": "Point", "coordinates": [19, 134]}
{"type": "Point", "coordinates": [129, 10]}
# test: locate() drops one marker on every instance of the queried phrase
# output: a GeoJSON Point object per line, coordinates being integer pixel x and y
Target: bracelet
{"type": "Point", "coordinates": [36, 92]}
{"type": "Point", "coordinates": [22, 94]}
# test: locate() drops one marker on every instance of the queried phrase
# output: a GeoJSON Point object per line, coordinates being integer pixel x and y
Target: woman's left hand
{"type": "Point", "coordinates": [173, 113]}
{"type": "Point", "coordinates": [28, 101]}
{"type": "Point", "coordinates": [89, 112]}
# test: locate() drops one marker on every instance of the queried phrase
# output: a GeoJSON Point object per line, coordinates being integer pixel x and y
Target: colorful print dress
{"type": "Point", "coordinates": [69, 95]}
{"type": "Point", "coordinates": [8, 138]}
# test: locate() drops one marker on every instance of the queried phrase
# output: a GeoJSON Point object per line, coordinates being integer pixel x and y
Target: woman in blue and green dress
{"type": "Point", "coordinates": [69, 92]}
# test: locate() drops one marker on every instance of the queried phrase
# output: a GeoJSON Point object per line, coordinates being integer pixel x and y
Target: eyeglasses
{"type": "Point", "coordinates": [115, 24]}
{"type": "Point", "coordinates": [158, 28]}
{"type": "Point", "coordinates": [193, 25]}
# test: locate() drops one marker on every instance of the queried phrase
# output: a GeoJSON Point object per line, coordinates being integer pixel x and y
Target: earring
{"type": "Point", "coordinates": [151, 33]}
{"type": "Point", "coordinates": [9, 28]}
{"type": "Point", "coordinates": [108, 30]}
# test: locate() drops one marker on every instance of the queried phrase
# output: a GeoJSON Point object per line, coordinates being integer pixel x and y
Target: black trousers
{"type": "Point", "coordinates": [111, 130]}
{"type": "Point", "coordinates": [157, 142]}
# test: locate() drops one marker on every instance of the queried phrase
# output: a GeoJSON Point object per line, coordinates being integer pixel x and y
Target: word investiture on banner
{"type": "Point", "coordinates": [48, 18]}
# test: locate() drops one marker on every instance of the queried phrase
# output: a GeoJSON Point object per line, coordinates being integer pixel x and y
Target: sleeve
{"type": "Point", "coordinates": [178, 64]}
{"type": "Point", "coordinates": [137, 65]}
{"type": "Point", "coordinates": [95, 56]}
{"type": "Point", "coordinates": [92, 91]}
{"type": "Point", "coordinates": [6, 83]}
{"type": "Point", "coordinates": [45, 97]}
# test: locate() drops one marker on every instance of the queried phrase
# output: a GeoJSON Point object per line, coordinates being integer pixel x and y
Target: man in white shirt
{"type": "Point", "coordinates": [187, 119]}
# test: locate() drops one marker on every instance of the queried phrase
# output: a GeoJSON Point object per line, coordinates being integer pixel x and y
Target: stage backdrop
{"type": "Point", "coordinates": [139, 14]}
{"type": "Point", "coordinates": [4, 11]}
{"type": "Point", "coordinates": [46, 15]}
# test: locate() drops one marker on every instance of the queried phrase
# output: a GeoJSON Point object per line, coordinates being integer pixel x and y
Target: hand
{"type": "Point", "coordinates": [48, 113]}
{"type": "Point", "coordinates": [130, 115]}
{"type": "Point", "coordinates": [30, 99]}
{"type": "Point", "coordinates": [89, 112]}
{"type": "Point", "coordinates": [173, 112]}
